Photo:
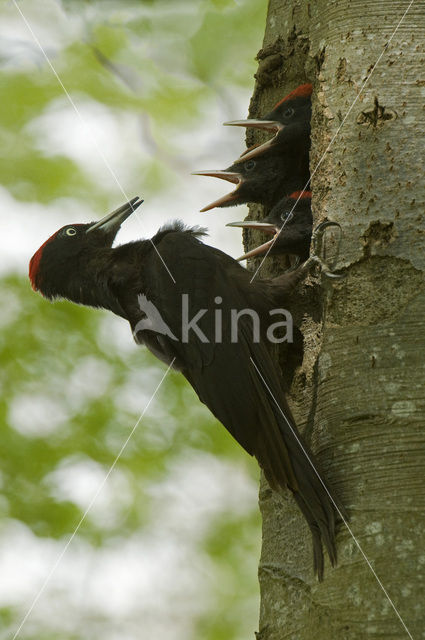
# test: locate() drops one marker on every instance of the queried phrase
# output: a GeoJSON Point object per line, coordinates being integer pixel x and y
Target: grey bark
{"type": "Point", "coordinates": [357, 391]}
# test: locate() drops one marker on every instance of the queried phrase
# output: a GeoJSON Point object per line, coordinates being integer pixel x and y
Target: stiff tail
{"type": "Point", "coordinates": [315, 499]}
{"type": "Point", "coordinates": [318, 562]}
{"type": "Point", "coordinates": [288, 463]}
{"type": "Point", "coordinates": [317, 503]}
{"type": "Point", "coordinates": [322, 530]}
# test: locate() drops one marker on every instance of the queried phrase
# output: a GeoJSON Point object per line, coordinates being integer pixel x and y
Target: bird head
{"type": "Point", "coordinates": [288, 222]}
{"type": "Point", "coordinates": [58, 268]}
{"type": "Point", "coordinates": [293, 109]}
{"type": "Point", "coordinates": [256, 180]}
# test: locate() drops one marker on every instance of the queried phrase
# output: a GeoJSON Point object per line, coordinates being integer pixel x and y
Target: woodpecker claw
{"type": "Point", "coordinates": [318, 248]}
{"type": "Point", "coordinates": [319, 230]}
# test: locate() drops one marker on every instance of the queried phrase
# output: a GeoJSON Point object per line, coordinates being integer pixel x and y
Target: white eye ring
{"type": "Point", "coordinates": [287, 216]}
{"type": "Point", "coordinates": [71, 231]}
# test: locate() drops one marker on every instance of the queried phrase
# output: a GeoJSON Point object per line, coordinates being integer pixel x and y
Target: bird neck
{"type": "Point", "coordinates": [89, 282]}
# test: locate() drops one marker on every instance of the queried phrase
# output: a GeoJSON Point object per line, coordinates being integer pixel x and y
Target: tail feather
{"type": "Point", "coordinates": [288, 463]}
{"type": "Point", "coordinates": [314, 498]}
{"type": "Point", "coordinates": [318, 562]}
{"type": "Point", "coordinates": [318, 505]}
{"type": "Point", "coordinates": [320, 518]}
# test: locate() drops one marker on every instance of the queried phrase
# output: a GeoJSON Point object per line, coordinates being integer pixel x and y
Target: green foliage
{"type": "Point", "coordinates": [70, 393]}
{"type": "Point", "coordinates": [91, 423]}
{"type": "Point", "coordinates": [166, 60]}
{"type": "Point", "coordinates": [236, 28]}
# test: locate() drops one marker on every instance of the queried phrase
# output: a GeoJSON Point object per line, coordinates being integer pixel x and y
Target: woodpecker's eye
{"type": "Point", "coordinates": [71, 231]}
{"type": "Point", "coordinates": [289, 112]}
{"type": "Point", "coordinates": [250, 165]}
{"type": "Point", "coordinates": [286, 217]}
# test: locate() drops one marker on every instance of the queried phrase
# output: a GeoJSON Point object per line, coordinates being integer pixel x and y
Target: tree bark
{"type": "Point", "coordinates": [358, 394]}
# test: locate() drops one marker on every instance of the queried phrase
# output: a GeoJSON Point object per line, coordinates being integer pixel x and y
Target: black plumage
{"type": "Point", "coordinates": [290, 222]}
{"type": "Point", "coordinates": [266, 173]}
{"type": "Point", "coordinates": [276, 173]}
{"type": "Point", "coordinates": [289, 121]}
{"type": "Point", "coordinates": [237, 380]}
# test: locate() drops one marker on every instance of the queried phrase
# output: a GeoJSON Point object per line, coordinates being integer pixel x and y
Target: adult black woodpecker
{"type": "Point", "coordinates": [290, 222]}
{"type": "Point", "coordinates": [289, 121]}
{"type": "Point", "coordinates": [234, 375]}
{"type": "Point", "coordinates": [265, 179]}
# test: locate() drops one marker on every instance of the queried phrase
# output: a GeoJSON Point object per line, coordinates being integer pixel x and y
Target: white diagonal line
{"type": "Point", "coordinates": [84, 123]}
{"type": "Point", "coordinates": [333, 501]}
{"type": "Point", "coordinates": [93, 500]}
{"type": "Point", "coordinates": [338, 130]}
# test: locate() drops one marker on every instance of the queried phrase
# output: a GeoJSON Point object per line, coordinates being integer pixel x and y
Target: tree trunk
{"type": "Point", "coordinates": [358, 394]}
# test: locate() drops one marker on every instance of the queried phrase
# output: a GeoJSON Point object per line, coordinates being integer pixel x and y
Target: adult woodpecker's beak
{"type": "Point", "coordinates": [113, 221]}
{"type": "Point", "coordinates": [230, 176]}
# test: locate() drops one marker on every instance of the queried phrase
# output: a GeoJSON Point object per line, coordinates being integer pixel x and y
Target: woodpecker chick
{"type": "Point", "coordinates": [290, 222]}
{"type": "Point", "coordinates": [289, 121]}
{"type": "Point", "coordinates": [265, 179]}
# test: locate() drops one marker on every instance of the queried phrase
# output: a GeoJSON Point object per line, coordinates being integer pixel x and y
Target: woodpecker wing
{"type": "Point", "coordinates": [238, 381]}
{"type": "Point", "coordinates": [221, 371]}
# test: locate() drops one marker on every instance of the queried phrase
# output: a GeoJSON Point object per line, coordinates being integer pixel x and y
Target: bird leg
{"type": "Point", "coordinates": [319, 248]}
{"type": "Point", "coordinates": [289, 280]}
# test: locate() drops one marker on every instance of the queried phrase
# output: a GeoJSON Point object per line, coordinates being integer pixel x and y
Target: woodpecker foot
{"type": "Point", "coordinates": [320, 247]}
{"type": "Point", "coordinates": [319, 237]}
{"type": "Point", "coordinates": [315, 261]}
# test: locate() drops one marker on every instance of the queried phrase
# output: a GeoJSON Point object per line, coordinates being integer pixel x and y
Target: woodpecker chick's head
{"type": "Point", "coordinates": [290, 222]}
{"type": "Point", "coordinates": [293, 109]}
{"type": "Point", "coordinates": [55, 266]}
{"type": "Point", "coordinates": [263, 180]}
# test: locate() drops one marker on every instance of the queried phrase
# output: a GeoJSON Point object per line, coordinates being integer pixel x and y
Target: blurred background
{"type": "Point", "coordinates": [170, 546]}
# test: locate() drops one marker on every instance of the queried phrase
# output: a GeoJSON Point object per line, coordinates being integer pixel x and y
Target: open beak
{"type": "Point", "coordinates": [244, 153]}
{"type": "Point", "coordinates": [259, 149]}
{"type": "Point", "coordinates": [254, 224]}
{"type": "Point", "coordinates": [265, 125]}
{"type": "Point", "coordinates": [263, 248]}
{"type": "Point", "coordinates": [230, 176]}
{"type": "Point", "coordinates": [261, 226]}
{"type": "Point", "coordinates": [115, 219]}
